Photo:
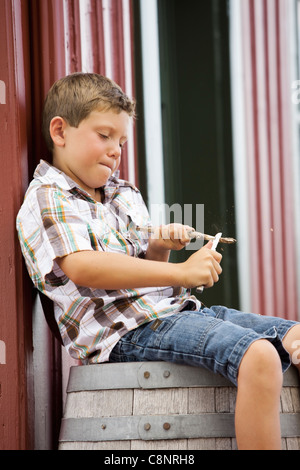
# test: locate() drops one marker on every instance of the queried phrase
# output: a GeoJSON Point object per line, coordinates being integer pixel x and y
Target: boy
{"type": "Point", "coordinates": [116, 296]}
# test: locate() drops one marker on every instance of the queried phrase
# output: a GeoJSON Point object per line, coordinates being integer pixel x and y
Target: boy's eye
{"type": "Point", "coordinates": [106, 137]}
{"type": "Point", "coordinates": [103, 136]}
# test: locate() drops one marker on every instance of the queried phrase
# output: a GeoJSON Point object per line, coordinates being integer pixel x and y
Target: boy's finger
{"type": "Point", "coordinates": [209, 245]}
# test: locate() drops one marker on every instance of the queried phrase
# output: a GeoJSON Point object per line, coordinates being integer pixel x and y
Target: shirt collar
{"type": "Point", "coordinates": [48, 174]}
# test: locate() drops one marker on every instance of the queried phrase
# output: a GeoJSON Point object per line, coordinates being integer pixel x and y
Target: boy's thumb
{"type": "Point", "coordinates": [209, 245]}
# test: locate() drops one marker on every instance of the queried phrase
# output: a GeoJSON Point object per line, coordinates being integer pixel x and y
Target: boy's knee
{"type": "Point", "coordinates": [261, 365]}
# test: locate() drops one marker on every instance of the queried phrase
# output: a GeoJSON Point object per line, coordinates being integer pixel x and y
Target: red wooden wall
{"type": "Point", "coordinates": [41, 41]}
{"type": "Point", "coordinates": [16, 399]}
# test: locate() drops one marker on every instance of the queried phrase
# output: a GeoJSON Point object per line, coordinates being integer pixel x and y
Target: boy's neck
{"type": "Point", "coordinates": [97, 193]}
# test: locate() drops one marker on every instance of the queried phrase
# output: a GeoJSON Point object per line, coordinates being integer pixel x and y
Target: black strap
{"type": "Point", "coordinates": [48, 308]}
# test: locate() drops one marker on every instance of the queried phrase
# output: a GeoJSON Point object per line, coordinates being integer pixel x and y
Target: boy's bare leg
{"type": "Point", "coordinates": [260, 379]}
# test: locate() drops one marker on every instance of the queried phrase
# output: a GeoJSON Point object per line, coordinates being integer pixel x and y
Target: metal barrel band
{"type": "Point", "coordinates": [162, 427]}
{"type": "Point", "coordinates": [150, 375]}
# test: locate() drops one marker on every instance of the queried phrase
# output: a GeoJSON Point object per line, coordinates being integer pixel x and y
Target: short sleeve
{"type": "Point", "coordinates": [49, 227]}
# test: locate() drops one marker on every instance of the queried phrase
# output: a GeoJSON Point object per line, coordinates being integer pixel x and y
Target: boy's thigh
{"type": "Point", "coordinates": [191, 338]}
{"type": "Point", "coordinates": [258, 323]}
{"type": "Point", "coordinates": [166, 338]}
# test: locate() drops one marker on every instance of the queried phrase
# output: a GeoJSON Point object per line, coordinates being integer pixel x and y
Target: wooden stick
{"type": "Point", "coordinates": [192, 234]}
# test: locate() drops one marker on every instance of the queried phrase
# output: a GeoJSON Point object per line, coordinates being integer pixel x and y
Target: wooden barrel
{"type": "Point", "coordinates": [160, 406]}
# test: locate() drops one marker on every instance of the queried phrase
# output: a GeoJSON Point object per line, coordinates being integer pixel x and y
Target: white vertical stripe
{"type": "Point", "coordinates": [240, 155]}
{"type": "Point", "coordinates": [152, 105]}
{"type": "Point", "coordinates": [86, 36]}
{"type": "Point", "coordinates": [128, 84]}
{"type": "Point", "coordinates": [127, 47]}
{"type": "Point", "coordinates": [295, 74]}
{"type": "Point", "coordinates": [107, 38]}
{"type": "Point", "coordinates": [67, 38]}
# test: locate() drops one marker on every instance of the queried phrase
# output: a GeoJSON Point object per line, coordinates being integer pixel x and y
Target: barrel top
{"type": "Point", "coordinates": [150, 375]}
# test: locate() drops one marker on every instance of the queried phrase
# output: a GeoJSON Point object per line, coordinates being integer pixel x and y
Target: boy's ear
{"type": "Point", "coordinates": [57, 131]}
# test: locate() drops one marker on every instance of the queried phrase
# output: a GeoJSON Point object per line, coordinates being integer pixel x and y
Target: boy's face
{"type": "Point", "coordinates": [92, 151]}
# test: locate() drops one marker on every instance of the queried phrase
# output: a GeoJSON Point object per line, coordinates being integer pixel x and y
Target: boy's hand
{"type": "Point", "coordinates": [170, 237]}
{"type": "Point", "coordinates": [166, 238]}
{"type": "Point", "coordinates": [202, 268]}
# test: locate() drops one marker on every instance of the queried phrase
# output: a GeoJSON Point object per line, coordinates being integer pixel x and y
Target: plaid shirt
{"type": "Point", "coordinates": [58, 218]}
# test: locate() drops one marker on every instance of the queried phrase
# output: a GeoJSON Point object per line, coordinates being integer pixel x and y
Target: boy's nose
{"type": "Point", "coordinates": [115, 150]}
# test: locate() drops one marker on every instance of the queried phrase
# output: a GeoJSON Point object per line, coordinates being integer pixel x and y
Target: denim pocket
{"type": "Point", "coordinates": [134, 339]}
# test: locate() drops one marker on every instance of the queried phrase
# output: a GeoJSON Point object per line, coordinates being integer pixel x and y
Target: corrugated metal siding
{"type": "Point", "coordinates": [270, 157]}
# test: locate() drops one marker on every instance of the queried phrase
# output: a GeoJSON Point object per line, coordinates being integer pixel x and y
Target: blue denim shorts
{"type": "Point", "coordinates": [215, 338]}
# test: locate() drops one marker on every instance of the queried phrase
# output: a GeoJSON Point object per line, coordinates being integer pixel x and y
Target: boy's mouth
{"type": "Point", "coordinates": [107, 166]}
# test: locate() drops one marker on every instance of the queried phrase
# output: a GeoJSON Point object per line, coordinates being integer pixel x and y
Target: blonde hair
{"type": "Point", "coordinates": [75, 96]}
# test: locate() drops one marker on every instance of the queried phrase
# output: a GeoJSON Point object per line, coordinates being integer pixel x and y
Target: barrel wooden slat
{"type": "Point", "coordinates": [96, 404]}
{"type": "Point", "coordinates": [290, 400]}
{"type": "Point", "coordinates": [106, 410]}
